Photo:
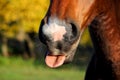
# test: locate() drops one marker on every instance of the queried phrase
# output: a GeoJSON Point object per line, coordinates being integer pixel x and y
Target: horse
{"type": "Point", "coordinates": [62, 28]}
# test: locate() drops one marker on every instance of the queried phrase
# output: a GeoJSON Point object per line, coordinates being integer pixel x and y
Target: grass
{"type": "Point", "coordinates": [19, 69]}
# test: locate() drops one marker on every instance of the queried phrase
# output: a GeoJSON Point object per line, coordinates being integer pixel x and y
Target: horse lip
{"type": "Point", "coordinates": [58, 54]}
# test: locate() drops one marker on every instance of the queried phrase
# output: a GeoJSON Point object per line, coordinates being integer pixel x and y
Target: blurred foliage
{"type": "Point", "coordinates": [19, 14]}
{"type": "Point", "coordinates": [85, 39]}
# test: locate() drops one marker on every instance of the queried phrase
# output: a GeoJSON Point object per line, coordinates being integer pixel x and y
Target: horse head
{"type": "Point", "coordinates": [61, 29]}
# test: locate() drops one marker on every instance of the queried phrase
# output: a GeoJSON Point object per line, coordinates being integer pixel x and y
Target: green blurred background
{"type": "Point", "coordinates": [22, 54]}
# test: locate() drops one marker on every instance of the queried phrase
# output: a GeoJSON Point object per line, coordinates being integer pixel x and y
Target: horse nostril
{"type": "Point", "coordinates": [41, 35]}
{"type": "Point", "coordinates": [74, 30]}
{"type": "Point", "coordinates": [72, 33]}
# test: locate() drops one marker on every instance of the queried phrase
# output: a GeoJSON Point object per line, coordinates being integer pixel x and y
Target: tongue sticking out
{"type": "Point", "coordinates": [54, 61]}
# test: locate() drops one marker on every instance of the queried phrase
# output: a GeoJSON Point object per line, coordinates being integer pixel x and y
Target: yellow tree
{"type": "Point", "coordinates": [27, 14]}
{"type": "Point", "coordinates": [19, 15]}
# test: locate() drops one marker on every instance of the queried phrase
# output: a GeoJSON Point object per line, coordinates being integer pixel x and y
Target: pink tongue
{"type": "Point", "coordinates": [54, 61]}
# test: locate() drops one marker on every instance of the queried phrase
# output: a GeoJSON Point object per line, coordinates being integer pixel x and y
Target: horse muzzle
{"type": "Point", "coordinates": [61, 38]}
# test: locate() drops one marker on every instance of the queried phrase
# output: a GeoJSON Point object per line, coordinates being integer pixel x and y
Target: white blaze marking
{"type": "Point", "coordinates": [54, 30]}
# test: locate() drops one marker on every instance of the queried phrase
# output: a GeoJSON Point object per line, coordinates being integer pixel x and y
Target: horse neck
{"type": "Point", "coordinates": [105, 33]}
